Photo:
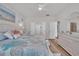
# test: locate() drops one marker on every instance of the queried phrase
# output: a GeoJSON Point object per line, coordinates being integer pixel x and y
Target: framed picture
{"type": "Point", "coordinates": [6, 13]}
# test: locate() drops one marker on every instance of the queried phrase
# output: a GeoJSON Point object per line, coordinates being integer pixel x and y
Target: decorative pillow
{"type": "Point", "coordinates": [3, 37]}
{"type": "Point", "coordinates": [16, 34]}
{"type": "Point", "coordinates": [9, 35]}
{"type": "Point", "coordinates": [13, 34]}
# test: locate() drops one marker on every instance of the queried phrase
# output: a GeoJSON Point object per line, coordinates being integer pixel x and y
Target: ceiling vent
{"type": "Point", "coordinates": [47, 14]}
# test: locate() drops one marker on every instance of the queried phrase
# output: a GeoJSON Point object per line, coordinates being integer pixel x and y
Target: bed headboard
{"type": "Point", "coordinates": [7, 26]}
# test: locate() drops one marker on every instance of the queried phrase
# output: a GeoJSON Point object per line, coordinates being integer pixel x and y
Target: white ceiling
{"type": "Point", "coordinates": [31, 9]}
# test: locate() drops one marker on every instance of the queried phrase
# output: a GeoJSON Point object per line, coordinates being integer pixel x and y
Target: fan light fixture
{"type": "Point", "coordinates": [20, 24]}
{"type": "Point", "coordinates": [39, 8]}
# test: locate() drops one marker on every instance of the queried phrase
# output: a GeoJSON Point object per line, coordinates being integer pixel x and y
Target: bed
{"type": "Point", "coordinates": [24, 45]}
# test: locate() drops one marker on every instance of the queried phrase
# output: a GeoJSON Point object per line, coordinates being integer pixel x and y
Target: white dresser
{"type": "Point", "coordinates": [69, 43]}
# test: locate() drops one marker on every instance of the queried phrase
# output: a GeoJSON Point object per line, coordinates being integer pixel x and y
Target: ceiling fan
{"type": "Point", "coordinates": [41, 6]}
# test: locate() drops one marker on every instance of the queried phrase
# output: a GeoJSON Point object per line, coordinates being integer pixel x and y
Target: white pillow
{"type": "Point", "coordinates": [16, 36]}
{"type": "Point", "coordinates": [9, 35]}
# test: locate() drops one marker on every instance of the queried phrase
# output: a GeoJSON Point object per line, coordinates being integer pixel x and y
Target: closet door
{"type": "Point", "coordinates": [53, 30]}
{"type": "Point", "coordinates": [32, 28]}
{"type": "Point", "coordinates": [38, 28]}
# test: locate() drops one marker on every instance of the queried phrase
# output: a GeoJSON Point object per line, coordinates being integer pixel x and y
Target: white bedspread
{"type": "Point", "coordinates": [24, 46]}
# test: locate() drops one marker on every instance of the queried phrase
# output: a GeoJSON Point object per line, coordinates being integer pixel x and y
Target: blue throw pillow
{"type": "Point", "coordinates": [3, 37]}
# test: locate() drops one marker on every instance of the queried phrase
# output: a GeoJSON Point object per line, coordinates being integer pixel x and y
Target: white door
{"type": "Point", "coordinates": [53, 30]}
{"type": "Point", "coordinates": [37, 28]}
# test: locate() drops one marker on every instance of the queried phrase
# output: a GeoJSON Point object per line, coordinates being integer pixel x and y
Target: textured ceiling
{"type": "Point", "coordinates": [51, 9]}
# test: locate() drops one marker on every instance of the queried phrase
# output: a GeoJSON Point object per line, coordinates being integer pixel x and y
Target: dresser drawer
{"type": "Point", "coordinates": [54, 46]}
{"type": "Point", "coordinates": [69, 45]}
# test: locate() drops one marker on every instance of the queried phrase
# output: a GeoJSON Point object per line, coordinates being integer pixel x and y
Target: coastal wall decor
{"type": "Point", "coordinates": [6, 13]}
